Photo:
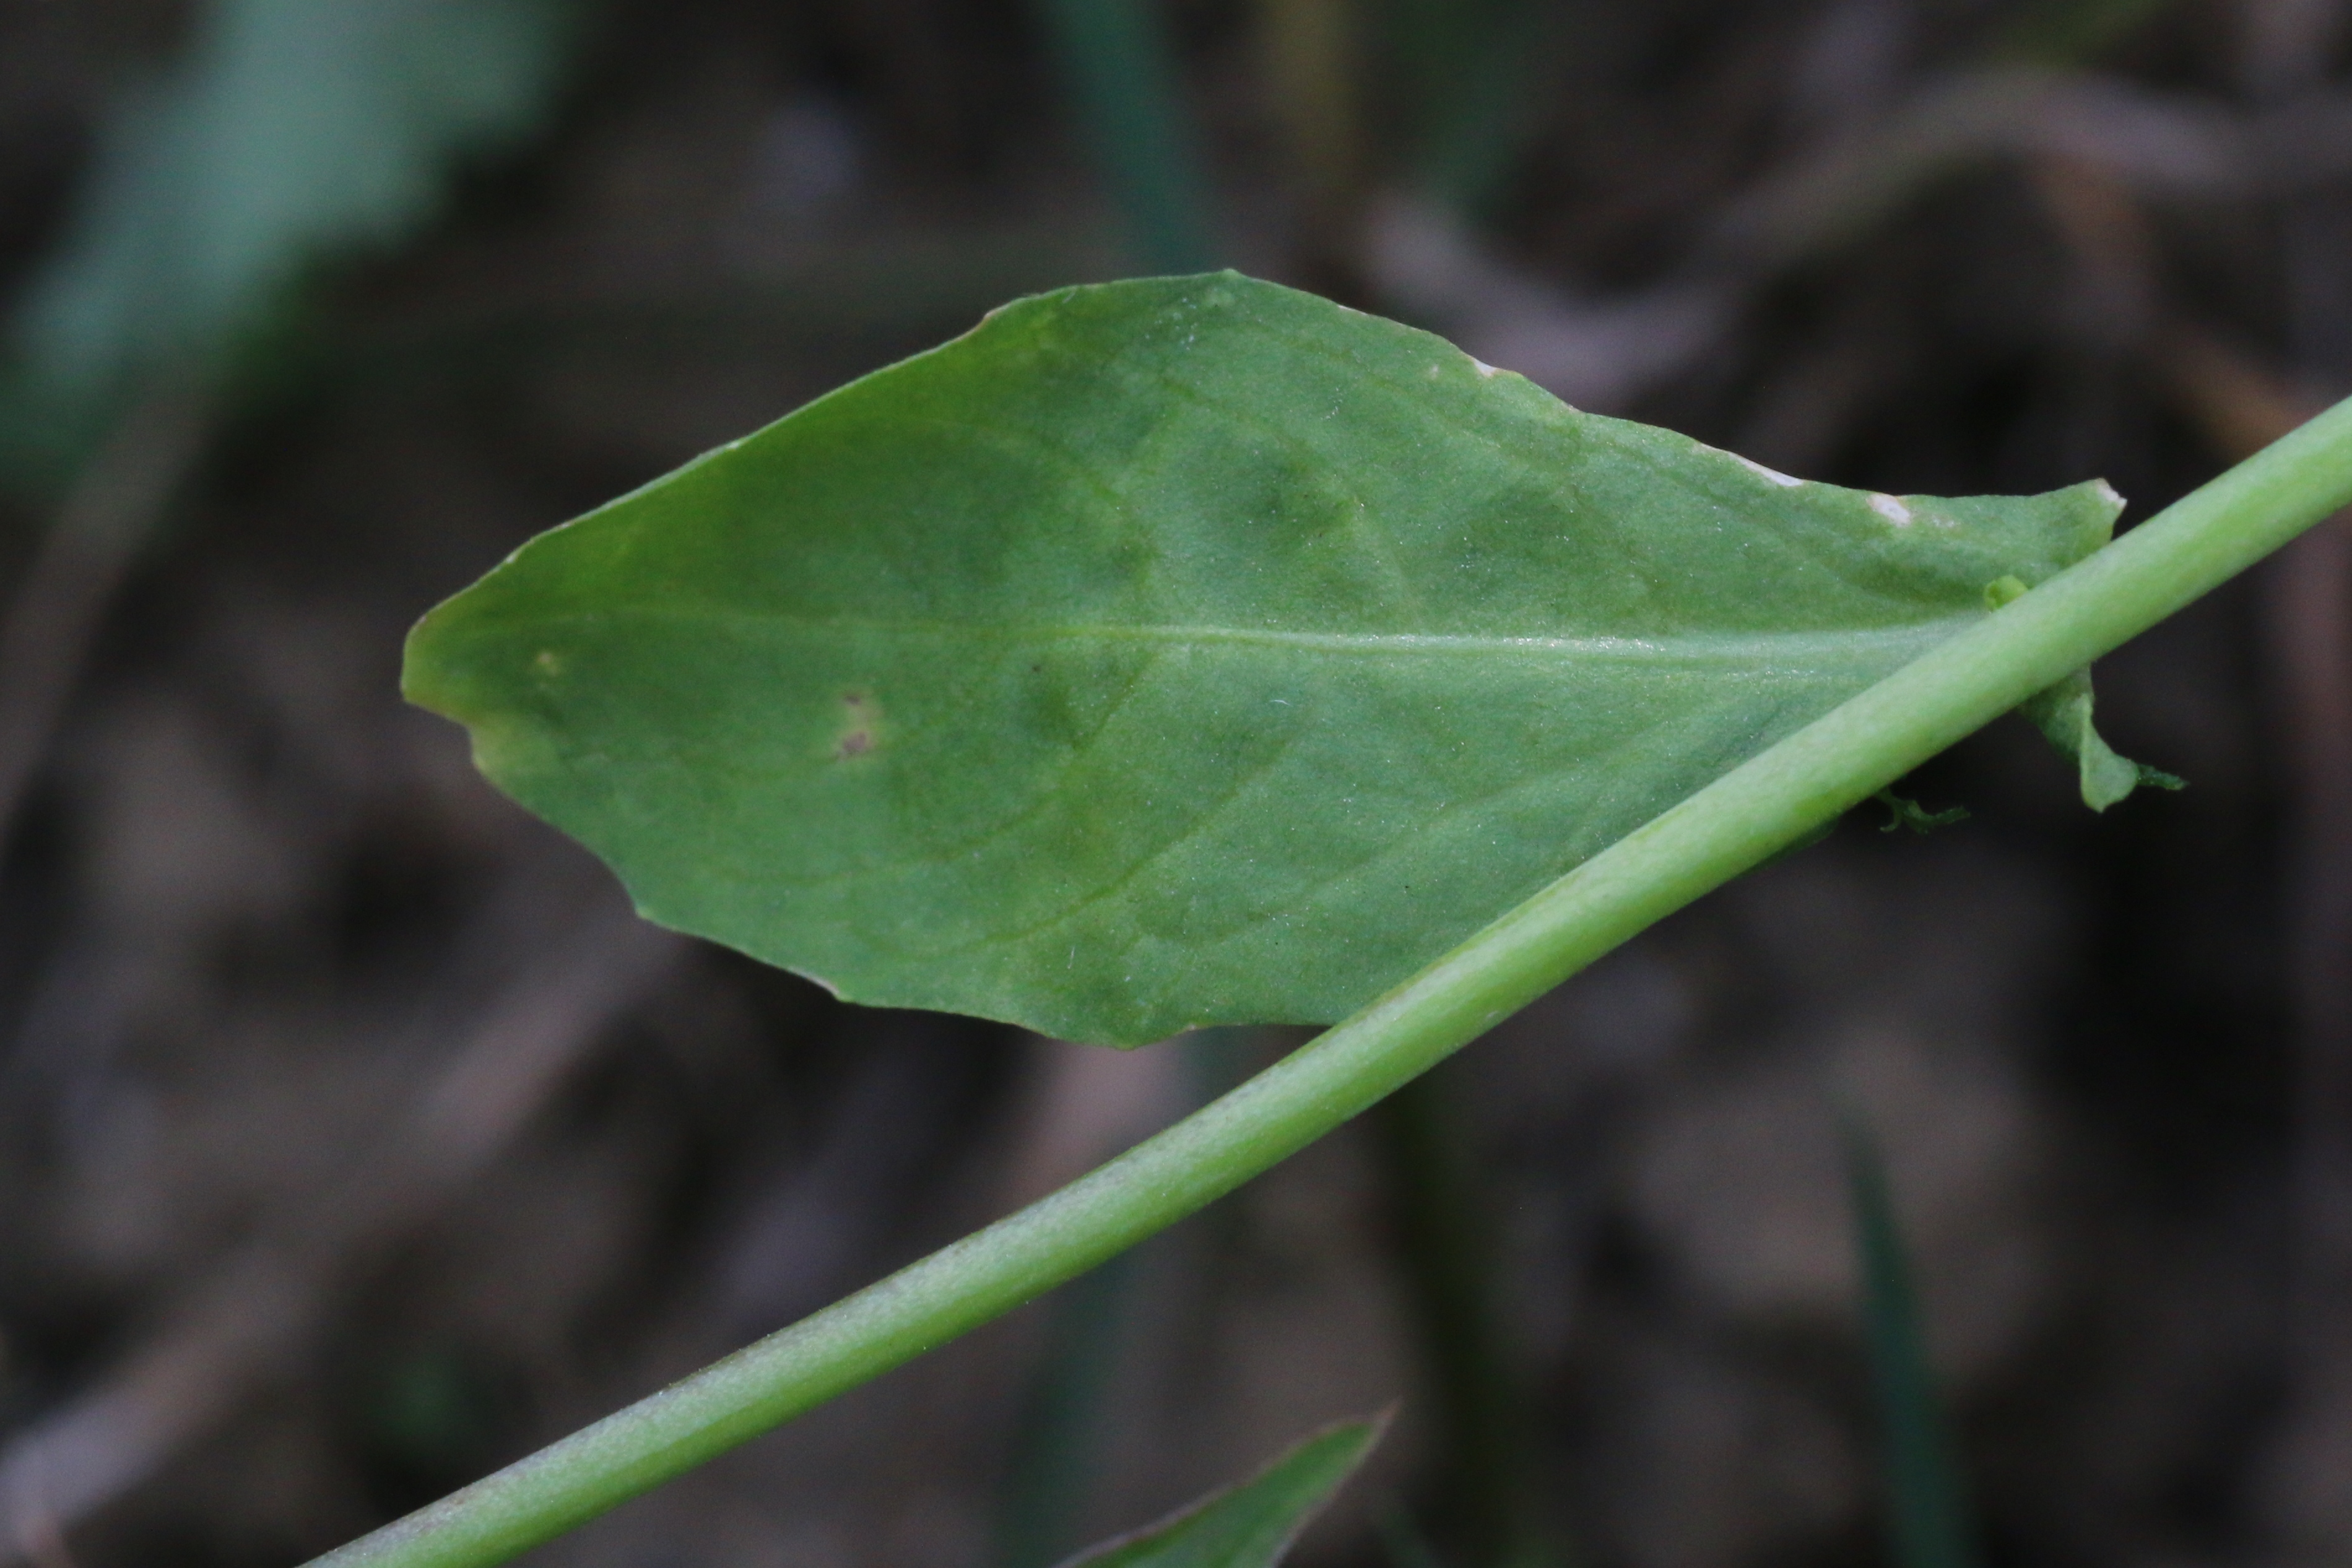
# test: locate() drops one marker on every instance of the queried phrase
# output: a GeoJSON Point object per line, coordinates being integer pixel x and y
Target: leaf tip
{"type": "Point", "coordinates": [1253, 1523]}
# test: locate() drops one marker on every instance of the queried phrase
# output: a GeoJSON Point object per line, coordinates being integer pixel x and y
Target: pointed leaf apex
{"type": "Point", "coordinates": [1252, 1523]}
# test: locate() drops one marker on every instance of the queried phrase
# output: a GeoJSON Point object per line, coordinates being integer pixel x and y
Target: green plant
{"type": "Point", "coordinates": [875, 694]}
{"type": "Point", "coordinates": [1183, 653]}
{"type": "Point", "coordinates": [286, 139]}
{"type": "Point", "coordinates": [1924, 1508]}
{"type": "Point", "coordinates": [1252, 1524]}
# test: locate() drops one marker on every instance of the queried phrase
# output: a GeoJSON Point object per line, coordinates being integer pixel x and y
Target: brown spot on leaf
{"type": "Point", "coordinates": [862, 727]}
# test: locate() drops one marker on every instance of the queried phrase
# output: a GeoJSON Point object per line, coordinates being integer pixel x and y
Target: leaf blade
{"type": "Point", "coordinates": [1252, 1523]}
{"type": "Point", "coordinates": [1927, 1514]}
{"type": "Point", "coordinates": [1178, 652]}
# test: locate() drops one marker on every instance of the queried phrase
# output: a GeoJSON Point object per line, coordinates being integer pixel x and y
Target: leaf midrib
{"type": "Point", "coordinates": [1796, 653]}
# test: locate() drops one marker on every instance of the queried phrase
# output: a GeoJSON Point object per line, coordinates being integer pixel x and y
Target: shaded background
{"type": "Point", "coordinates": [353, 1140]}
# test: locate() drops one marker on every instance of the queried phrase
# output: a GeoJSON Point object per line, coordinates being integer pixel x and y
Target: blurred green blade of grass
{"type": "Point", "coordinates": [1402, 1544]}
{"type": "Point", "coordinates": [1469, 72]}
{"type": "Point", "coordinates": [1126, 99]}
{"type": "Point", "coordinates": [1452, 1278]}
{"type": "Point", "coordinates": [1924, 1493]}
{"type": "Point", "coordinates": [1057, 1446]}
{"type": "Point", "coordinates": [289, 133]}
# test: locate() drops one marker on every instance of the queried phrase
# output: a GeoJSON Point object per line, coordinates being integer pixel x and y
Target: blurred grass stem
{"type": "Point", "coordinates": [1743, 819]}
{"type": "Point", "coordinates": [1058, 1445]}
{"type": "Point", "coordinates": [1123, 87]}
{"type": "Point", "coordinates": [1448, 1258]}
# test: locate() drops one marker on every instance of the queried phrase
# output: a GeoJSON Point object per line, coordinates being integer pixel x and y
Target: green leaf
{"type": "Point", "coordinates": [2063, 714]}
{"type": "Point", "coordinates": [288, 132]}
{"type": "Point", "coordinates": [1902, 811]}
{"type": "Point", "coordinates": [1253, 1524]}
{"type": "Point", "coordinates": [1179, 652]}
{"type": "Point", "coordinates": [1923, 1484]}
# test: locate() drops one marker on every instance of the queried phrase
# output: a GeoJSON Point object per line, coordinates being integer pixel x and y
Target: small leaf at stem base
{"type": "Point", "coordinates": [1252, 1523]}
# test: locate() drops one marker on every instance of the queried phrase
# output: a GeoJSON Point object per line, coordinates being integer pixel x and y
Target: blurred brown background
{"type": "Point", "coordinates": [353, 1140]}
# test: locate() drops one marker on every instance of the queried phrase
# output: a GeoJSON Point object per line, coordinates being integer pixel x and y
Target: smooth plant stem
{"type": "Point", "coordinates": [1742, 819]}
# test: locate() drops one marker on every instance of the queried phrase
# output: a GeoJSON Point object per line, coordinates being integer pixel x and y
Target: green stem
{"type": "Point", "coordinates": [1729, 827]}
